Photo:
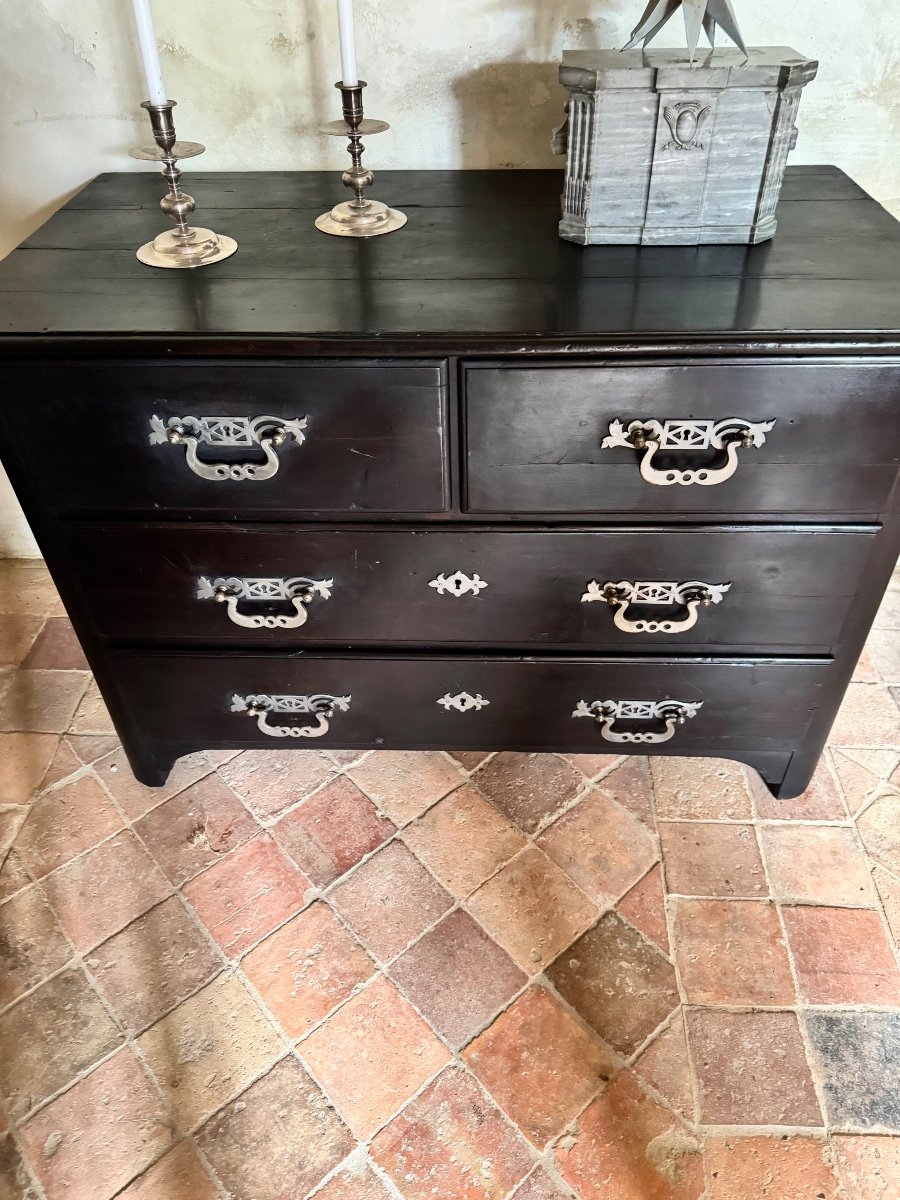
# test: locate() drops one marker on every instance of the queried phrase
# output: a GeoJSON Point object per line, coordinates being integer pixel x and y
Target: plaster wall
{"type": "Point", "coordinates": [470, 83]}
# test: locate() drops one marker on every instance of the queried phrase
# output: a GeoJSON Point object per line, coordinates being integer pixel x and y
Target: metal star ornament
{"type": "Point", "coordinates": [698, 14]}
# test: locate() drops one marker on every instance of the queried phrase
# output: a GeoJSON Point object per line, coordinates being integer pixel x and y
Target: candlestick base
{"type": "Point", "coordinates": [359, 217]}
{"type": "Point", "coordinates": [186, 246]}
{"type": "Point", "coordinates": [369, 219]}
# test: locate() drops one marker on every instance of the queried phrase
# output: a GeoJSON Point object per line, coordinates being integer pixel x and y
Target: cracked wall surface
{"type": "Point", "coordinates": [467, 84]}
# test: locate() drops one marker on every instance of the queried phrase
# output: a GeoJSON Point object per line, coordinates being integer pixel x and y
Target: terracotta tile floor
{"type": "Point", "coordinates": [364, 977]}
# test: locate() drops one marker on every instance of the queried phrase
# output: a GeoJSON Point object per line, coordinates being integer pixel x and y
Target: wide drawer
{"type": "Point", "coordinates": [820, 438]}
{"type": "Point", "coordinates": [228, 440]}
{"type": "Point", "coordinates": [724, 588]}
{"type": "Point", "coordinates": [681, 705]}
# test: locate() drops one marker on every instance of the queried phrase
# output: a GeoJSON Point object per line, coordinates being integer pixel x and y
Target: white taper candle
{"type": "Point", "coordinates": [156, 89]}
{"type": "Point", "coordinates": [349, 71]}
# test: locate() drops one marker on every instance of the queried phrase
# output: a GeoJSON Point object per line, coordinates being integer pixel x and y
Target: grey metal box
{"type": "Point", "coordinates": [663, 153]}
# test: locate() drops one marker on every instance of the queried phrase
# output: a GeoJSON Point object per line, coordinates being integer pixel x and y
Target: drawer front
{"type": "Point", "coordinates": [686, 706]}
{"type": "Point", "coordinates": [821, 438]}
{"type": "Point", "coordinates": [769, 590]}
{"type": "Point", "coordinates": [230, 440]}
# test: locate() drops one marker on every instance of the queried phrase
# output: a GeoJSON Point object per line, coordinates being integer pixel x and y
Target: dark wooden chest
{"type": "Point", "coordinates": [467, 486]}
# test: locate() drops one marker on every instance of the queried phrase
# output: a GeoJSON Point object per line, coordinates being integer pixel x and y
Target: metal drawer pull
{"type": "Point", "coordinates": [322, 708]}
{"type": "Point", "coordinates": [228, 433]}
{"type": "Point", "coordinates": [463, 702]}
{"type": "Point", "coordinates": [298, 591]}
{"type": "Point", "coordinates": [652, 436]}
{"type": "Point", "coordinates": [621, 595]}
{"type": "Point", "coordinates": [607, 712]}
{"type": "Point", "coordinates": [458, 584]}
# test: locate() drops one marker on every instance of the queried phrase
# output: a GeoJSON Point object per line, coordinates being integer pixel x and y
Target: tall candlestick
{"type": "Point", "coordinates": [156, 89]}
{"type": "Point", "coordinates": [349, 71]}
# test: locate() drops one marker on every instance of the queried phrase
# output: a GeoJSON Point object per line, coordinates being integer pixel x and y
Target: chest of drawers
{"type": "Point", "coordinates": [469, 487]}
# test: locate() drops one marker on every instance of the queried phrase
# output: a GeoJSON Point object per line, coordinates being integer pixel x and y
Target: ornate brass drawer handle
{"type": "Point", "coordinates": [322, 708]}
{"type": "Point", "coordinates": [231, 433]}
{"type": "Point", "coordinates": [670, 436]}
{"type": "Point", "coordinates": [298, 591]}
{"type": "Point", "coordinates": [620, 596]}
{"type": "Point", "coordinates": [607, 712]}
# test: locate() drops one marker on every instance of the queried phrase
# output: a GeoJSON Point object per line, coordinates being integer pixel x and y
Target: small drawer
{"type": "Point", "coordinates": [716, 589]}
{"type": "Point", "coordinates": [227, 439]}
{"type": "Point", "coordinates": [755, 439]}
{"type": "Point", "coordinates": [683, 705]}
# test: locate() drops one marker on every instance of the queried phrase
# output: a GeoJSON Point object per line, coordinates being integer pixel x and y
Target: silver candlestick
{"type": "Point", "coordinates": [186, 245]}
{"type": "Point", "coordinates": [359, 217]}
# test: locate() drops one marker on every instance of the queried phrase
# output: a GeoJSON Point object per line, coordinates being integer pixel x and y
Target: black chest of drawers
{"type": "Point", "coordinates": [465, 487]}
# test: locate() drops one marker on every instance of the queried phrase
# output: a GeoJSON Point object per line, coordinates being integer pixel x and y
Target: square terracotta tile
{"type": "Point", "coordinates": [457, 977]}
{"type": "Point", "coordinates": [879, 828]}
{"type": "Point", "coordinates": [42, 701]}
{"type": "Point", "coordinates": [751, 1069]}
{"type": "Point", "coordinates": [56, 648]}
{"type": "Point", "coordinates": [601, 846]}
{"type": "Point", "coordinates": [132, 797]}
{"type": "Point", "coordinates": [194, 829]}
{"type": "Point", "coordinates": [666, 1066]}
{"type": "Point", "coordinates": [17, 633]}
{"type": "Point", "coordinates": [248, 894]}
{"type": "Point", "coordinates": [306, 968]}
{"type": "Point", "coordinates": [529, 788]}
{"type": "Point", "coordinates": [770, 1168]}
{"type": "Point", "coordinates": [100, 892]}
{"type": "Point", "coordinates": [631, 786]}
{"type": "Point", "coordinates": [332, 831]}
{"type": "Point", "coordinates": [278, 1140]}
{"type": "Point", "coordinates": [372, 1055]}
{"type": "Point", "coordinates": [51, 1035]}
{"type": "Point", "coordinates": [820, 864]}
{"type": "Point", "coordinates": [540, 1065]}
{"type": "Point", "coordinates": [594, 765]}
{"type": "Point", "coordinates": [208, 1049]}
{"type": "Point", "coordinates": [354, 1181]}
{"type": "Point", "coordinates": [179, 1175]}
{"type": "Point", "coordinates": [628, 1147]}
{"type": "Point", "coordinates": [858, 1055]}
{"type": "Point", "coordinates": [92, 715]}
{"type": "Point", "coordinates": [868, 1166]}
{"type": "Point", "coordinates": [390, 900]}
{"type": "Point", "coordinates": [842, 956]}
{"type": "Point", "coordinates": [645, 908]}
{"type": "Point", "coordinates": [712, 859]}
{"type": "Point", "coordinates": [617, 982]}
{"type": "Point", "coordinates": [269, 781]}
{"type": "Point", "coordinates": [24, 761]}
{"type": "Point", "coordinates": [732, 952]}
{"type": "Point", "coordinates": [867, 717]}
{"type": "Point", "coordinates": [463, 840]}
{"type": "Point", "coordinates": [66, 822]}
{"type": "Point", "coordinates": [100, 1134]}
{"type": "Point", "coordinates": [699, 789]}
{"type": "Point", "coordinates": [532, 909]}
{"type": "Point", "coordinates": [32, 946]}
{"type": "Point", "coordinates": [451, 1141]}
{"type": "Point", "coordinates": [403, 784]}
{"type": "Point", "coordinates": [159, 960]}
{"type": "Point", "coordinates": [820, 802]}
